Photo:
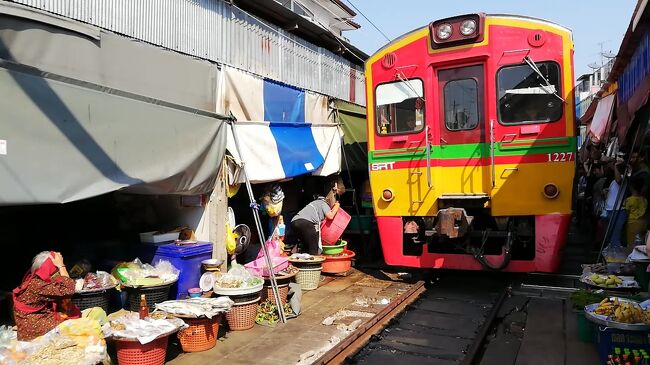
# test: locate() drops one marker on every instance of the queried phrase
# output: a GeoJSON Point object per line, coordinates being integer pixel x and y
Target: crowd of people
{"type": "Point", "coordinates": [614, 193]}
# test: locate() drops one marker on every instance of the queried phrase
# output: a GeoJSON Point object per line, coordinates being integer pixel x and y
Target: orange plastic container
{"type": "Point", "coordinates": [337, 264]}
{"type": "Point", "coordinates": [332, 229]}
{"type": "Point", "coordinates": [134, 353]}
{"type": "Point", "coordinates": [201, 335]}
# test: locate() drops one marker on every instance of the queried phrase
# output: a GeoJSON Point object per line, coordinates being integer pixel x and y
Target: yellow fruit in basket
{"type": "Point", "coordinates": [606, 300]}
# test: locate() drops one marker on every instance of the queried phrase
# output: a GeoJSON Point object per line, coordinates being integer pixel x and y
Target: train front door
{"type": "Point", "coordinates": [463, 151]}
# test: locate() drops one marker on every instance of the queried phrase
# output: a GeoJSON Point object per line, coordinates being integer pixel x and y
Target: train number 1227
{"type": "Point", "coordinates": [560, 156]}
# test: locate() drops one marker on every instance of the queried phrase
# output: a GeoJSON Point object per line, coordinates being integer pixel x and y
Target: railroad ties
{"type": "Point", "coordinates": [446, 325]}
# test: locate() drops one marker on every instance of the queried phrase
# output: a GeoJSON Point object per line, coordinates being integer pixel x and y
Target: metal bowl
{"type": "Point", "coordinates": [212, 263]}
{"type": "Point", "coordinates": [608, 322]}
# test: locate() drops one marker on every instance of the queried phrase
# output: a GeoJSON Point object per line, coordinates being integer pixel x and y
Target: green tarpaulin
{"type": "Point", "coordinates": [352, 118]}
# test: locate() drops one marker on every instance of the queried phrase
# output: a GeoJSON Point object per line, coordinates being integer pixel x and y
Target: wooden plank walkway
{"type": "Point", "coordinates": [551, 336]}
{"type": "Point", "coordinates": [285, 344]}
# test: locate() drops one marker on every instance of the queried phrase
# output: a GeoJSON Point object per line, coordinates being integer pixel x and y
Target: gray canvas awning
{"type": "Point", "coordinates": [62, 141]}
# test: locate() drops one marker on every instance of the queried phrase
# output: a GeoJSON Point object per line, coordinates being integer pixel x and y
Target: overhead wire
{"type": "Point", "coordinates": [369, 21]}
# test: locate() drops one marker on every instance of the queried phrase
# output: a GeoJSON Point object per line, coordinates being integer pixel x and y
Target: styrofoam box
{"type": "Point", "coordinates": [150, 237]}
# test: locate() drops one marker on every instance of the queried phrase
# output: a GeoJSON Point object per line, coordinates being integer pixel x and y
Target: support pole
{"type": "Point", "coordinates": [258, 224]}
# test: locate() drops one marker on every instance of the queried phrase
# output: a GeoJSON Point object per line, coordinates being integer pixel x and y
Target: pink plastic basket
{"type": "Point", "coordinates": [331, 230]}
{"type": "Point", "coordinates": [259, 268]}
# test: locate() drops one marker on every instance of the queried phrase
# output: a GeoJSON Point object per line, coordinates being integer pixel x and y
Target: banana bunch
{"type": "Point", "coordinates": [611, 281]}
{"type": "Point", "coordinates": [631, 313]}
{"type": "Point", "coordinates": [606, 307]}
{"type": "Point", "coordinates": [624, 312]}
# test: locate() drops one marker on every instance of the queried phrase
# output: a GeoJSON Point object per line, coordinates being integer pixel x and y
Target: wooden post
{"type": "Point", "coordinates": [218, 211]}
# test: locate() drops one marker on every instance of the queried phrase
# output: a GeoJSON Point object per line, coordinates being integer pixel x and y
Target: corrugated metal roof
{"type": "Point", "coordinates": [219, 32]}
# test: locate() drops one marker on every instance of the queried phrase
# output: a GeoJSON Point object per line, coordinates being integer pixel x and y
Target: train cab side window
{"type": "Point", "coordinates": [524, 96]}
{"type": "Point", "coordinates": [461, 104]}
{"type": "Point", "coordinates": [400, 107]}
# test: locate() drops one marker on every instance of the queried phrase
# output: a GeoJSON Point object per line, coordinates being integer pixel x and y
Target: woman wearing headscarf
{"type": "Point", "coordinates": [39, 300]}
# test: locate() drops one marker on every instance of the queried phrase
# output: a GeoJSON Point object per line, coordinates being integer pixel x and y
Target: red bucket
{"type": "Point", "coordinates": [338, 264]}
{"type": "Point", "coordinates": [332, 229]}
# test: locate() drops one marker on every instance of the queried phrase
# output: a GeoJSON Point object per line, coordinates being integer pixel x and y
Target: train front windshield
{"type": "Point", "coordinates": [525, 97]}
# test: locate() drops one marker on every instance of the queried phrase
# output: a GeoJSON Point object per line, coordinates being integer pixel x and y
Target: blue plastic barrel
{"type": "Point", "coordinates": [187, 259]}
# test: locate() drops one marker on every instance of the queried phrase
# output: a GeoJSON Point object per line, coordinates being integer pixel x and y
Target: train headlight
{"type": "Point", "coordinates": [443, 31]}
{"type": "Point", "coordinates": [468, 27]}
{"type": "Point", "coordinates": [387, 195]}
{"type": "Point", "coordinates": [551, 191]}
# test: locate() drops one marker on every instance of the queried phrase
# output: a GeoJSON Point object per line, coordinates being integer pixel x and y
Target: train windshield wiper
{"type": "Point", "coordinates": [529, 61]}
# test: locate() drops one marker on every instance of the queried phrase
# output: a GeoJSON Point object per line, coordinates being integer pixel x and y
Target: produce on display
{"type": "Point", "coordinates": [609, 281]}
{"type": "Point", "coordinates": [623, 311]}
{"type": "Point", "coordinates": [237, 277]}
{"type": "Point", "coordinates": [131, 327]}
{"type": "Point", "coordinates": [136, 273]}
{"type": "Point", "coordinates": [75, 342]}
{"type": "Point", "coordinates": [267, 312]}
{"type": "Point", "coordinates": [196, 307]}
{"type": "Point", "coordinates": [95, 313]}
{"type": "Point", "coordinates": [95, 281]}
{"type": "Point", "coordinates": [581, 298]}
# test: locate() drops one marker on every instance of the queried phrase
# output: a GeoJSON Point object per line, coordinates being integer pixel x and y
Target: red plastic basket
{"type": "Point", "coordinates": [135, 353]}
{"type": "Point", "coordinates": [332, 229]}
{"type": "Point", "coordinates": [201, 335]}
{"type": "Point", "coordinates": [337, 264]}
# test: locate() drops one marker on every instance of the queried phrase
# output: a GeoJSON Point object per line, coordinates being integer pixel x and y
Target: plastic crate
{"type": "Point", "coordinates": [608, 338]}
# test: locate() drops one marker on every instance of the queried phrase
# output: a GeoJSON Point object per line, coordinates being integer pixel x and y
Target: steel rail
{"type": "Point", "coordinates": [362, 335]}
{"type": "Point", "coordinates": [471, 355]}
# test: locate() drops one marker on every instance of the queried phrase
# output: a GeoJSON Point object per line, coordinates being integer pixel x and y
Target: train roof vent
{"type": "Point", "coordinates": [389, 60]}
{"type": "Point", "coordinates": [537, 38]}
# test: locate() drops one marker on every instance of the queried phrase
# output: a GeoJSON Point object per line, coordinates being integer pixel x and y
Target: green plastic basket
{"type": "Point", "coordinates": [335, 249]}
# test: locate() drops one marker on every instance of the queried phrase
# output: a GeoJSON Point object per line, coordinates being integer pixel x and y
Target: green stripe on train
{"type": "Point", "coordinates": [478, 150]}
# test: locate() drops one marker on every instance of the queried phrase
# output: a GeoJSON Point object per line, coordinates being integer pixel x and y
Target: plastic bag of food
{"type": "Point", "coordinates": [81, 327]}
{"type": "Point", "coordinates": [96, 314]}
{"type": "Point", "coordinates": [105, 279]}
{"type": "Point", "coordinates": [166, 271]}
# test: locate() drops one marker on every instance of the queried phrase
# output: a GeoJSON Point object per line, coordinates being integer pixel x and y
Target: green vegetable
{"type": "Point", "coordinates": [582, 297]}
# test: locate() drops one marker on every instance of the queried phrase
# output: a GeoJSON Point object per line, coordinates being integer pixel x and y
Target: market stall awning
{"type": "Point", "coordinates": [275, 151]}
{"type": "Point", "coordinates": [352, 118]}
{"type": "Point", "coordinates": [602, 116]}
{"type": "Point", "coordinates": [62, 141]}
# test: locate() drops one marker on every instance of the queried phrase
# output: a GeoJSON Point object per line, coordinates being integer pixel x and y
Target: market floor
{"type": "Point", "coordinates": [357, 296]}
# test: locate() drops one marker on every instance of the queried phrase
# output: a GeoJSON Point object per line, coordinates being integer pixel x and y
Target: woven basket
{"type": "Point", "coordinates": [267, 293]}
{"type": "Point", "coordinates": [308, 279]}
{"type": "Point", "coordinates": [99, 298]}
{"type": "Point", "coordinates": [242, 315]}
{"type": "Point", "coordinates": [201, 335]}
{"type": "Point", "coordinates": [153, 295]}
{"type": "Point", "coordinates": [244, 298]}
{"type": "Point", "coordinates": [135, 353]}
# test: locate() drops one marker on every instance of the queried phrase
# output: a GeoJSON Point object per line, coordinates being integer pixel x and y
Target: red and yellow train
{"type": "Point", "coordinates": [472, 143]}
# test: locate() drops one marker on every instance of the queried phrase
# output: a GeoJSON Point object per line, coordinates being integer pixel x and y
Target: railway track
{"type": "Point", "coordinates": [443, 322]}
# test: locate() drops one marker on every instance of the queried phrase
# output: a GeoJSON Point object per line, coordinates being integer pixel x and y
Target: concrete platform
{"type": "Point", "coordinates": [352, 300]}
